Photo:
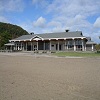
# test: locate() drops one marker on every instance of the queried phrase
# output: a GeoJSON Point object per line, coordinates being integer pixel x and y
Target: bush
{"type": "Point", "coordinates": [98, 51]}
{"type": "Point", "coordinates": [97, 47]}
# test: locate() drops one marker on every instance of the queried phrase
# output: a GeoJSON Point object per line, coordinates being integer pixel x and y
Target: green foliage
{"type": "Point", "coordinates": [77, 54]}
{"type": "Point", "coordinates": [8, 32]}
{"type": "Point", "coordinates": [4, 38]}
{"type": "Point", "coordinates": [97, 47]}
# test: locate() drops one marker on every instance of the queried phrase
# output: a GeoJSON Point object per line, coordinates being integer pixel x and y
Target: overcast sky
{"type": "Point", "coordinates": [43, 16]}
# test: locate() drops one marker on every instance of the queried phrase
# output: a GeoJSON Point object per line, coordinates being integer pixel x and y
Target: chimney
{"type": "Point", "coordinates": [67, 30]}
{"type": "Point", "coordinates": [31, 33]}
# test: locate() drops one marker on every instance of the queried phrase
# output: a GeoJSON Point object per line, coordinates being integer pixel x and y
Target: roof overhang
{"type": "Point", "coordinates": [91, 43]}
{"type": "Point", "coordinates": [37, 38]}
{"type": "Point", "coordinates": [65, 38]}
{"type": "Point", "coordinates": [9, 44]}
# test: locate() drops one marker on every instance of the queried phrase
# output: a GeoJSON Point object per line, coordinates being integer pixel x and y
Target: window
{"type": "Point", "coordinates": [78, 42]}
{"type": "Point", "coordinates": [52, 45]}
{"type": "Point", "coordinates": [70, 42]}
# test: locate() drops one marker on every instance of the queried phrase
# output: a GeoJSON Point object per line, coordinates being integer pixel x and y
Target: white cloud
{"type": "Point", "coordinates": [95, 36]}
{"type": "Point", "coordinates": [54, 24]}
{"type": "Point", "coordinates": [3, 19]}
{"type": "Point", "coordinates": [40, 22]}
{"type": "Point", "coordinates": [40, 3]}
{"type": "Point", "coordinates": [11, 5]}
{"type": "Point", "coordinates": [72, 13]}
{"type": "Point", "coordinates": [75, 14]}
{"type": "Point", "coordinates": [68, 14]}
{"type": "Point", "coordinates": [73, 7]}
{"type": "Point", "coordinates": [28, 26]}
{"type": "Point", "coordinates": [59, 14]}
{"type": "Point", "coordinates": [97, 23]}
{"type": "Point", "coordinates": [73, 23]}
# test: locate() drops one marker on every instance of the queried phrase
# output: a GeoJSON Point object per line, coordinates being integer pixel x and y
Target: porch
{"type": "Point", "coordinates": [51, 45]}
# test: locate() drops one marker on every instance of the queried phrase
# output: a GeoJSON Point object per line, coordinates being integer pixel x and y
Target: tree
{"type": "Point", "coordinates": [8, 32]}
{"type": "Point", "coordinates": [97, 47]}
{"type": "Point", "coordinates": [4, 38]}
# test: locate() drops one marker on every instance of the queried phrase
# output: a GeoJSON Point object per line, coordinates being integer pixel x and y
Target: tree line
{"type": "Point", "coordinates": [9, 31]}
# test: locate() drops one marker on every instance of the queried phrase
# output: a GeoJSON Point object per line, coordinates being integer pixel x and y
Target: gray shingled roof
{"type": "Point", "coordinates": [61, 35]}
{"type": "Point", "coordinates": [51, 35]}
{"type": "Point", "coordinates": [89, 41]}
{"type": "Point", "coordinates": [10, 44]}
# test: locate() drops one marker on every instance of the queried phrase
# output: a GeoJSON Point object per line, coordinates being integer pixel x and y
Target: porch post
{"type": "Point", "coordinates": [16, 47]}
{"type": "Point", "coordinates": [74, 45]}
{"type": "Point", "coordinates": [31, 45]}
{"type": "Point", "coordinates": [85, 47]}
{"type": "Point", "coordinates": [58, 45]}
{"type": "Point", "coordinates": [82, 45]}
{"type": "Point", "coordinates": [92, 47]}
{"type": "Point", "coordinates": [11, 47]}
{"type": "Point", "coordinates": [26, 46]}
{"type": "Point", "coordinates": [37, 44]}
{"type": "Point", "coordinates": [21, 45]}
{"type": "Point", "coordinates": [44, 45]}
{"type": "Point", "coordinates": [65, 44]}
{"type": "Point", "coordinates": [50, 45]}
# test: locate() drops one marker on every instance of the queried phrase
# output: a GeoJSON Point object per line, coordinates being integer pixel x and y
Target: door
{"type": "Point", "coordinates": [60, 47]}
{"type": "Point", "coordinates": [35, 47]}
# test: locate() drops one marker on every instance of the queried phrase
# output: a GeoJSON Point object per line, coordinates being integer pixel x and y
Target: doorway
{"type": "Point", "coordinates": [35, 47]}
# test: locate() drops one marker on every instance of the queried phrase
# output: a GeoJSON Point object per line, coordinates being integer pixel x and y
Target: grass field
{"type": "Point", "coordinates": [78, 54]}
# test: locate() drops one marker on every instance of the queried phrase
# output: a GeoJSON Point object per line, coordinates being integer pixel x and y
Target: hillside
{"type": "Point", "coordinates": [9, 31]}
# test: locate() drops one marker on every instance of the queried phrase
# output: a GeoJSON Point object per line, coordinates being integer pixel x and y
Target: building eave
{"type": "Point", "coordinates": [65, 38]}
{"type": "Point", "coordinates": [9, 44]}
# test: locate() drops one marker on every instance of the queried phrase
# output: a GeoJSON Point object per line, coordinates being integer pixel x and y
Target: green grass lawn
{"type": "Point", "coordinates": [78, 54]}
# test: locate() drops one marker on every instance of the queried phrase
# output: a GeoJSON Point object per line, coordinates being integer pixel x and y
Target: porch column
{"type": "Point", "coordinates": [11, 47]}
{"type": "Point", "coordinates": [21, 45]}
{"type": "Point", "coordinates": [26, 46]}
{"type": "Point", "coordinates": [85, 47]}
{"type": "Point", "coordinates": [65, 44]}
{"type": "Point", "coordinates": [82, 45]}
{"type": "Point", "coordinates": [44, 45]}
{"type": "Point", "coordinates": [92, 47]}
{"type": "Point", "coordinates": [31, 46]}
{"type": "Point", "coordinates": [74, 45]}
{"type": "Point", "coordinates": [16, 47]}
{"type": "Point", "coordinates": [37, 44]}
{"type": "Point", "coordinates": [50, 45]}
{"type": "Point", "coordinates": [58, 45]}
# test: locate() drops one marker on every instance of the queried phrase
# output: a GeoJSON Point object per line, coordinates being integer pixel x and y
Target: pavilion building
{"type": "Point", "coordinates": [61, 41]}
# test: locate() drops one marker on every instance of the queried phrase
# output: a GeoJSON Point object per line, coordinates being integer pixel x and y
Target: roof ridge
{"type": "Point", "coordinates": [59, 32]}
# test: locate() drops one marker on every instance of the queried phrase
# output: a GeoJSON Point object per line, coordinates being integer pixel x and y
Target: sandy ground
{"type": "Point", "coordinates": [31, 77]}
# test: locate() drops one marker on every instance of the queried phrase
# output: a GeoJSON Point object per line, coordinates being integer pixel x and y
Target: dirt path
{"type": "Point", "coordinates": [28, 77]}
